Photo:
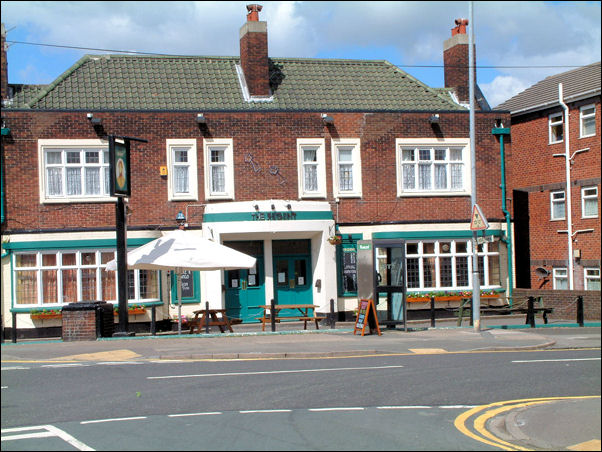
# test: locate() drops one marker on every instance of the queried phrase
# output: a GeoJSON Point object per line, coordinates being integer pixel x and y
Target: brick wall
{"type": "Point", "coordinates": [270, 138]}
{"type": "Point", "coordinates": [79, 325]}
{"type": "Point", "coordinates": [564, 302]}
{"type": "Point", "coordinates": [536, 171]}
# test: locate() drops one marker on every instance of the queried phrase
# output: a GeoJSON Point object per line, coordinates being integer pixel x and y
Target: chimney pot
{"type": "Point", "coordinates": [460, 28]}
{"type": "Point", "coordinates": [253, 14]}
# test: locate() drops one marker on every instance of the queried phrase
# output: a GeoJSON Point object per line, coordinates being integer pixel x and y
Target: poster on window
{"type": "Point", "coordinates": [186, 281]}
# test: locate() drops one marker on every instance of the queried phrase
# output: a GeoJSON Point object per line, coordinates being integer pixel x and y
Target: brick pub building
{"type": "Point", "coordinates": [277, 157]}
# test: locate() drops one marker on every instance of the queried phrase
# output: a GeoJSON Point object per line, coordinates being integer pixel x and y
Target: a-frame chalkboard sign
{"type": "Point", "coordinates": [366, 315]}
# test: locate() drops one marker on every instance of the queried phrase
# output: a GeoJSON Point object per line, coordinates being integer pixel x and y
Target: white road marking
{"type": "Point", "coordinates": [118, 363]}
{"type": "Point", "coordinates": [411, 407]}
{"type": "Point", "coordinates": [352, 408]}
{"type": "Point", "coordinates": [264, 411]}
{"type": "Point", "coordinates": [15, 368]}
{"type": "Point", "coordinates": [210, 413]}
{"type": "Point", "coordinates": [117, 419]}
{"type": "Point", "coordinates": [229, 374]}
{"type": "Point", "coordinates": [66, 365]}
{"type": "Point", "coordinates": [50, 430]}
{"type": "Point", "coordinates": [555, 360]}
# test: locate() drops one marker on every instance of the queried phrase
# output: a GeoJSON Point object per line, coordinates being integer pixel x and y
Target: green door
{"type": "Point", "coordinates": [292, 272]}
{"type": "Point", "coordinates": [245, 288]}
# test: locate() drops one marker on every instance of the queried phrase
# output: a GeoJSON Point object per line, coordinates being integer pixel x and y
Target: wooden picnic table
{"type": "Point", "coordinates": [301, 311]}
{"type": "Point", "coordinates": [200, 320]}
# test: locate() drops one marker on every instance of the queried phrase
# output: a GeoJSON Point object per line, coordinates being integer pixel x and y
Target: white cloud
{"type": "Point", "coordinates": [502, 88]}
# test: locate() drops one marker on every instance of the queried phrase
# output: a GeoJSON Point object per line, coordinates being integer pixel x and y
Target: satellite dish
{"type": "Point", "coordinates": [542, 272]}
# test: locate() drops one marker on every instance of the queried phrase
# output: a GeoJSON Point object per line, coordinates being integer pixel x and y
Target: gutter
{"type": "Point", "coordinates": [573, 98]}
{"type": "Point", "coordinates": [567, 165]}
{"type": "Point", "coordinates": [508, 239]}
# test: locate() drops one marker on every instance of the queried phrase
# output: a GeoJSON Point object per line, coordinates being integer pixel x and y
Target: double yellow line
{"type": "Point", "coordinates": [494, 409]}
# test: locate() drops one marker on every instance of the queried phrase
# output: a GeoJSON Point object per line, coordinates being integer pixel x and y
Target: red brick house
{"type": "Point", "coordinates": [557, 199]}
{"type": "Point", "coordinates": [272, 156]}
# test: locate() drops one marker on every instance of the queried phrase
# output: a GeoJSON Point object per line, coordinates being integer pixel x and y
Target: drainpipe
{"type": "Point", "coordinates": [501, 131]}
{"type": "Point", "coordinates": [567, 164]}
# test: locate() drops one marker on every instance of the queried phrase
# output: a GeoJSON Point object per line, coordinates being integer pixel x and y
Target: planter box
{"type": "Point", "coordinates": [418, 299]}
{"type": "Point", "coordinates": [46, 316]}
{"type": "Point", "coordinates": [133, 311]}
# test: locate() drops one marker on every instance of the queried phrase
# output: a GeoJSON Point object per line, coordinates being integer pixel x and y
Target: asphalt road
{"type": "Point", "coordinates": [394, 402]}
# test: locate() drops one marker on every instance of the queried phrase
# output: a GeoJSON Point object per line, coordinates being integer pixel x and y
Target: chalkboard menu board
{"type": "Point", "coordinates": [366, 315]}
{"type": "Point", "coordinates": [187, 283]}
{"type": "Point", "coordinates": [349, 270]}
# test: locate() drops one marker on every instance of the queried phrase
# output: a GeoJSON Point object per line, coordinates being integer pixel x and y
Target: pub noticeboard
{"type": "Point", "coordinates": [366, 315]}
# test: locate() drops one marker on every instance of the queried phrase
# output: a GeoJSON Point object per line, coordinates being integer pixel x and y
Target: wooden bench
{"type": "Point", "coordinates": [303, 317]}
{"type": "Point", "coordinates": [507, 309]}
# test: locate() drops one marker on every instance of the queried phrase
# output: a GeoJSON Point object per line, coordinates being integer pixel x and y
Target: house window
{"type": "Point", "coordinates": [446, 264]}
{"type": "Point", "coordinates": [219, 168]}
{"type": "Point", "coordinates": [61, 277]}
{"type": "Point", "coordinates": [311, 168]}
{"type": "Point", "coordinates": [555, 124]}
{"type": "Point", "coordinates": [347, 174]}
{"type": "Point", "coordinates": [432, 167]}
{"type": "Point", "coordinates": [182, 162]}
{"type": "Point", "coordinates": [587, 121]}
{"type": "Point", "coordinates": [561, 278]}
{"type": "Point", "coordinates": [589, 202]}
{"type": "Point", "coordinates": [557, 205]}
{"type": "Point", "coordinates": [74, 170]}
{"type": "Point", "coordinates": [592, 278]}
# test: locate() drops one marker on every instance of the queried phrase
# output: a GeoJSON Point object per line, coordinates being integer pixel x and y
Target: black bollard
{"type": "Point", "coordinates": [531, 312]}
{"type": "Point", "coordinates": [272, 315]}
{"type": "Point", "coordinates": [433, 311]}
{"type": "Point", "coordinates": [13, 333]}
{"type": "Point", "coordinates": [153, 327]}
{"type": "Point", "coordinates": [332, 321]}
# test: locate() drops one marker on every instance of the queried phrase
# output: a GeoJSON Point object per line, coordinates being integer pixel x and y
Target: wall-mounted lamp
{"type": "Point", "coordinates": [181, 220]}
{"type": "Point", "coordinates": [200, 118]}
{"type": "Point", "coordinates": [256, 206]}
{"type": "Point", "coordinates": [327, 119]}
{"type": "Point", "coordinates": [434, 119]}
{"type": "Point", "coordinates": [273, 207]}
{"type": "Point", "coordinates": [93, 120]}
{"type": "Point", "coordinates": [288, 206]}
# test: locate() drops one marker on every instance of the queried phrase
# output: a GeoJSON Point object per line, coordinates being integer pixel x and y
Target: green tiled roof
{"type": "Point", "coordinates": [120, 82]}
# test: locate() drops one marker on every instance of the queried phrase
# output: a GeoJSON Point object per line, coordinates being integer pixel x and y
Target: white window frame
{"type": "Point", "coordinates": [560, 274]}
{"type": "Point", "coordinates": [70, 145]}
{"type": "Point", "coordinates": [59, 267]}
{"type": "Point", "coordinates": [356, 163]}
{"type": "Point", "coordinates": [432, 144]}
{"type": "Point", "coordinates": [584, 117]}
{"type": "Point", "coordinates": [588, 197]}
{"type": "Point", "coordinates": [193, 189]}
{"type": "Point", "coordinates": [557, 201]}
{"type": "Point", "coordinates": [591, 275]}
{"type": "Point", "coordinates": [554, 122]}
{"type": "Point", "coordinates": [320, 164]}
{"type": "Point", "coordinates": [227, 145]}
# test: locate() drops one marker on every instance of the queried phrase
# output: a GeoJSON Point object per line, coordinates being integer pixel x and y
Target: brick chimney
{"type": "Point", "coordinates": [455, 61]}
{"type": "Point", "coordinates": [254, 52]}
{"type": "Point", "coordinates": [4, 64]}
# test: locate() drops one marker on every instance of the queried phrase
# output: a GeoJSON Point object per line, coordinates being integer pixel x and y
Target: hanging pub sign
{"type": "Point", "coordinates": [366, 315]}
{"type": "Point", "coordinates": [119, 167]}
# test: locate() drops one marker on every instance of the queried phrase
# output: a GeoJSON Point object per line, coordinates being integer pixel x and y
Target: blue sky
{"type": "Point", "coordinates": [525, 41]}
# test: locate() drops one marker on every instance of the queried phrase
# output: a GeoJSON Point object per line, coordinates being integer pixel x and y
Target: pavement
{"type": "Point", "coordinates": [530, 423]}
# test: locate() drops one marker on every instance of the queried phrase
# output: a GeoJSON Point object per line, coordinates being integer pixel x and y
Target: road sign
{"type": "Point", "coordinates": [478, 222]}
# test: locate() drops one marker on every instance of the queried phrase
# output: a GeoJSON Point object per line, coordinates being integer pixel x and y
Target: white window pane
{"type": "Point", "coordinates": [590, 207]}
{"type": "Point", "coordinates": [440, 154]}
{"type": "Point", "coordinates": [424, 177]}
{"type": "Point", "coordinates": [53, 158]}
{"type": "Point", "coordinates": [92, 176]}
{"type": "Point", "coordinates": [217, 155]}
{"type": "Point", "coordinates": [407, 155]}
{"type": "Point", "coordinates": [456, 176]}
{"type": "Point", "coordinates": [424, 154]}
{"type": "Point", "coordinates": [310, 155]}
{"type": "Point", "coordinates": [345, 154]}
{"type": "Point", "coordinates": [310, 178]}
{"type": "Point", "coordinates": [440, 177]}
{"type": "Point", "coordinates": [346, 177]}
{"type": "Point", "coordinates": [181, 179]}
{"type": "Point", "coordinates": [558, 209]}
{"type": "Point", "coordinates": [55, 181]}
{"type": "Point", "coordinates": [180, 155]}
{"type": "Point", "coordinates": [218, 179]}
{"type": "Point", "coordinates": [455, 154]}
{"type": "Point", "coordinates": [409, 177]}
{"type": "Point", "coordinates": [107, 181]}
{"type": "Point", "coordinates": [74, 181]}
{"type": "Point", "coordinates": [589, 126]}
{"type": "Point", "coordinates": [92, 157]}
{"type": "Point", "coordinates": [73, 157]}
